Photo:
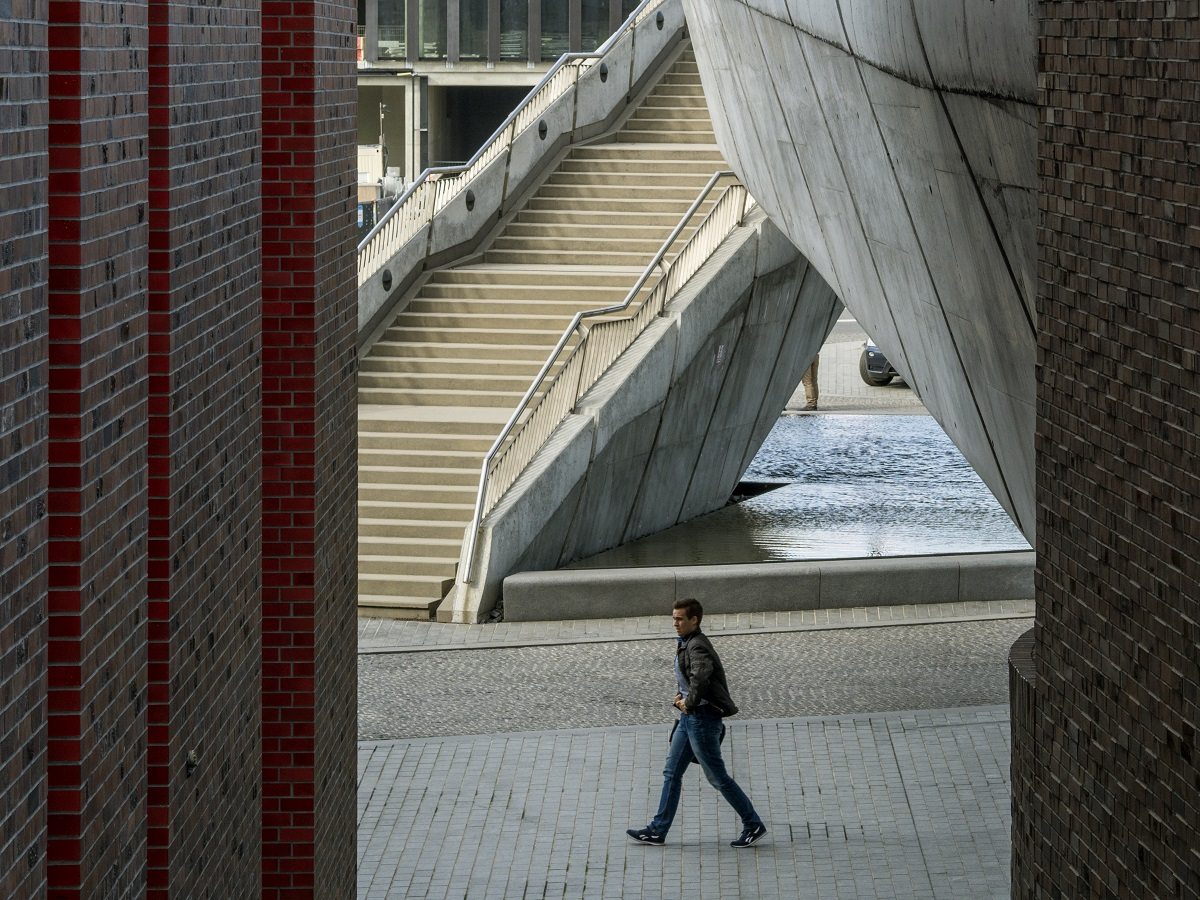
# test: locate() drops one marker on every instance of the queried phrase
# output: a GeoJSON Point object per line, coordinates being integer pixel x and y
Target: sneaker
{"type": "Point", "coordinates": [749, 836]}
{"type": "Point", "coordinates": [646, 836]}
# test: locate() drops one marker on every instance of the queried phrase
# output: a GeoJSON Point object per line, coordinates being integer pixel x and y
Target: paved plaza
{"type": "Point", "coordinates": [507, 760]}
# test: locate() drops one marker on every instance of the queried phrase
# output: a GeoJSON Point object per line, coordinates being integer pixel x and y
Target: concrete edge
{"type": "Point", "coordinates": [769, 587]}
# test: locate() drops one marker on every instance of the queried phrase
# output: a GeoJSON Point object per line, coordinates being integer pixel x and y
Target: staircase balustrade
{"type": "Point", "coordinates": [586, 351]}
{"type": "Point", "coordinates": [437, 187]}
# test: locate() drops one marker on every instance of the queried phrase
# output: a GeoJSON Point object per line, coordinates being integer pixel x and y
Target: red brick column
{"type": "Point", "coordinates": [309, 449]}
{"type": "Point", "coordinates": [97, 403]}
{"type": "Point", "coordinates": [23, 449]}
{"type": "Point", "coordinates": [204, 451]}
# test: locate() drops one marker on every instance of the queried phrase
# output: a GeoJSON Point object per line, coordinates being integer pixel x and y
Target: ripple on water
{"type": "Point", "coordinates": [853, 486]}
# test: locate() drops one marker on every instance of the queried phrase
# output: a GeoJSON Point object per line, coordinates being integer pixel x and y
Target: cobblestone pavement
{"type": "Point", "coordinates": [801, 673]}
{"type": "Point", "coordinates": [397, 635]}
{"type": "Point", "coordinates": [895, 805]}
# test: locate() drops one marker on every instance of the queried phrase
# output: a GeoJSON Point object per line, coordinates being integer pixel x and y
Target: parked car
{"type": "Point", "coordinates": [874, 367]}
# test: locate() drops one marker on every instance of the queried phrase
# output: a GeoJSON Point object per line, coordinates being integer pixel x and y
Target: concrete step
{"type": "Point", "coordinates": [436, 366]}
{"type": "Point", "coordinates": [417, 397]}
{"type": "Point", "coordinates": [408, 528]}
{"type": "Point", "coordinates": [418, 546]}
{"type": "Point", "coordinates": [418, 473]}
{"type": "Point", "coordinates": [449, 349]}
{"type": "Point", "coordinates": [552, 257]}
{"type": "Point", "coordinates": [646, 180]}
{"type": "Point", "coordinates": [555, 308]}
{"type": "Point", "coordinates": [444, 381]}
{"type": "Point", "coordinates": [467, 320]}
{"type": "Point", "coordinates": [404, 567]}
{"type": "Point", "coordinates": [526, 293]}
{"type": "Point", "coordinates": [695, 101]}
{"type": "Point", "coordinates": [568, 276]}
{"type": "Point", "coordinates": [433, 587]}
{"type": "Point", "coordinates": [621, 192]}
{"type": "Point", "coordinates": [570, 245]}
{"type": "Point", "coordinates": [554, 231]}
{"type": "Point", "coordinates": [437, 514]}
{"type": "Point", "coordinates": [400, 454]}
{"type": "Point", "coordinates": [589, 206]}
{"type": "Point", "coordinates": [655, 151]}
{"type": "Point", "coordinates": [413, 495]}
{"type": "Point", "coordinates": [413, 609]}
{"type": "Point", "coordinates": [635, 135]}
{"type": "Point", "coordinates": [670, 118]}
{"type": "Point", "coordinates": [649, 167]}
{"type": "Point", "coordinates": [603, 219]}
{"type": "Point", "coordinates": [497, 337]}
{"type": "Point", "coordinates": [381, 440]}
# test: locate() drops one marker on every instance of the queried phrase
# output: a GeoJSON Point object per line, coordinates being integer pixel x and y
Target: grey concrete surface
{"type": "Point", "coordinates": [894, 143]}
{"type": "Point", "coordinates": [666, 433]}
{"type": "Point", "coordinates": [755, 587]}
{"type": "Point", "coordinates": [876, 752]}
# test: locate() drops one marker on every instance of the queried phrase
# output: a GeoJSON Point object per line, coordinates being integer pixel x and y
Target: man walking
{"type": "Point", "coordinates": [703, 699]}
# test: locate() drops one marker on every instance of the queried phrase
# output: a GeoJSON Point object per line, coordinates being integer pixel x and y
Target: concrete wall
{"type": "Point", "coordinates": [666, 434]}
{"type": "Point", "coordinates": [907, 135]}
{"type": "Point", "coordinates": [768, 587]}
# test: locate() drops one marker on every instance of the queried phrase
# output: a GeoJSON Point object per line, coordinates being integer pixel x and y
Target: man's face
{"type": "Point", "coordinates": [683, 625]}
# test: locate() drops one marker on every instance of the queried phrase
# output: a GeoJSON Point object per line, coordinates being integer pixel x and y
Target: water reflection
{"type": "Point", "coordinates": [854, 486]}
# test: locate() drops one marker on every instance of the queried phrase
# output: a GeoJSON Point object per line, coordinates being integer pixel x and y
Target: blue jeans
{"type": "Point", "coordinates": [698, 739]}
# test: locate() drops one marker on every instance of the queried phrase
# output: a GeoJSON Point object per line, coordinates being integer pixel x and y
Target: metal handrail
{"type": "Point", "coordinates": [575, 325]}
{"type": "Point", "coordinates": [497, 143]}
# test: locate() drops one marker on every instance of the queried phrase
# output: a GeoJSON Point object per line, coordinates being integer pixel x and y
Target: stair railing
{"type": "Point", "coordinates": [437, 186]}
{"type": "Point", "coordinates": [585, 352]}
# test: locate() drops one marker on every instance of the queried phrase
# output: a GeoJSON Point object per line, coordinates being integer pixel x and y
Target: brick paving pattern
{"type": "Point", "coordinates": [485, 781]}
{"type": "Point", "coordinates": [892, 805]}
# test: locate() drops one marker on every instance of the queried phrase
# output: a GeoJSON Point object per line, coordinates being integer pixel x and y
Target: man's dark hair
{"type": "Point", "coordinates": [691, 608]}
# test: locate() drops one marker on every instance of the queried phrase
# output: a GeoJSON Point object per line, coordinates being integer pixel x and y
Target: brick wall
{"type": "Point", "coordinates": [309, 439]}
{"type": "Point", "coordinates": [1111, 800]}
{"type": "Point", "coordinates": [97, 403]}
{"type": "Point", "coordinates": [134, 696]}
{"type": "Point", "coordinates": [204, 454]}
{"type": "Point", "coordinates": [23, 448]}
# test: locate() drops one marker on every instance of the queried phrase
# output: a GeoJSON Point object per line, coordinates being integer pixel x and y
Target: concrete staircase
{"type": "Point", "coordinates": [436, 389]}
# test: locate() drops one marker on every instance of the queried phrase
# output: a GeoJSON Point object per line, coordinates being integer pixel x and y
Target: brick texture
{"type": "Point", "coordinates": [97, 490]}
{"type": "Point", "coordinates": [24, 372]}
{"type": "Point", "coordinates": [1108, 795]}
{"type": "Point", "coordinates": [309, 438]}
{"type": "Point", "coordinates": [204, 458]}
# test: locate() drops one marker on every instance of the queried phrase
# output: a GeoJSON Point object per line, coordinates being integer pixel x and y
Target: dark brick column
{"type": "Point", "coordinates": [204, 451]}
{"type": "Point", "coordinates": [23, 448]}
{"type": "Point", "coordinates": [1109, 790]}
{"type": "Point", "coordinates": [309, 450]}
{"type": "Point", "coordinates": [97, 402]}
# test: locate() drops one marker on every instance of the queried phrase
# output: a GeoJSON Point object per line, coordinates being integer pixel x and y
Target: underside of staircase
{"type": "Point", "coordinates": [438, 386]}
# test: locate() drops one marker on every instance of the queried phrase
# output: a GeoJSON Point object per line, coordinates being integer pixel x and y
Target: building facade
{"type": "Point", "coordinates": [437, 77]}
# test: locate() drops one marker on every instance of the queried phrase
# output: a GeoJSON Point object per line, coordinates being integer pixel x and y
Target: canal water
{"type": "Point", "coordinates": [850, 486]}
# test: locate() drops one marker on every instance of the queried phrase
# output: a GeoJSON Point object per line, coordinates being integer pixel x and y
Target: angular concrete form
{"type": "Point", "coordinates": [668, 430]}
{"type": "Point", "coordinates": [895, 144]}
